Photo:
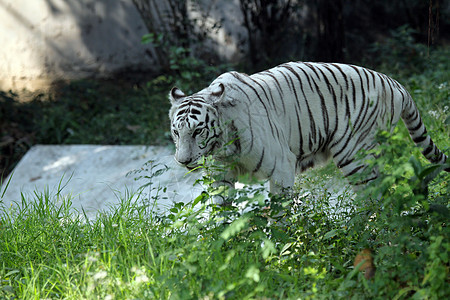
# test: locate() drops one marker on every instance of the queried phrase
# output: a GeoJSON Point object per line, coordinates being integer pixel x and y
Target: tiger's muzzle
{"type": "Point", "coordinates": [189, 164]}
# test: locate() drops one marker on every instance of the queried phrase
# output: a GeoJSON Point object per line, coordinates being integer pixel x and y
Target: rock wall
{"type": "Point", "coordinates": [49, 40]}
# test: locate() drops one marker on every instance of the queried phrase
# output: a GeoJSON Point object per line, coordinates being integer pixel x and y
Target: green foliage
{"type": "Point", "coordinates": [83, 112]}
{"type": "Point", "coordinates": [403, 57]}
{"type": "Point", "coordinates": [407, 223]}
{"type": "Point", "coordinates": [186, 71]}
{"type": "Point", "coordinates": [295, 246]}
{"type": "Point", "coordinates": [16, 127]}
{"type": "Point", "coordinates": [178, 41]}
{"type": "Point", "coordinates": [400, 51]}
{"type": "Point", "coordinates": [135, 117]}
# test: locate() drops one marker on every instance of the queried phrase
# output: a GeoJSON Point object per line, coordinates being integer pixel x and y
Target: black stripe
{"type": "Point", "coordinates": [354, 171]}
{"type": "Point", "coordinates": [269, 73]}
{"type": "Point", "coordinates": [417, 127]}
{"type": "Point", "coordinates": [181, 112]}
{"type": "Point", "coordinates": [373, 115]}
{"type": "Point", "coordinates": [344, 75]}
{"type": "Point", "coordinates": [237, 76]}
{"type": "Point", "coordinates": [333, 93]}
{"type": "Point", "coordinates": [326, 121]}
{"type": "Point", "coordinates": [428, 150]}
{"type": "Point", "coordinates": [209, 139]}
{"type": "Point", "coordinates": [363, 182]}
{"type": "Point", "coordinates": [273, 169]}
{"type": "Point", "coordinates": [344, 163]}
{"type": "Point", "coordinates": [197, 104]}
{"type": "Point", "coordinates": [413, 117]}
{"type": "Point", "coordinates": [392, 99]}
{"type": "Point", "coordinates": [361, 83]}
{"type": "Point", "coordinates": [297, 107]}
{"type": "Point", "coordinates": [353, 92]}
{"type": "Point", "coordinates": [373, 77]}
{"type": "Point", "coordinates": [263, 89]}
{"type": "Point", "coordinates": [258, 166]}
{"type": "Point", "coordinates": [249, 114]}
{"type": "Point", "coordinates": [363, 108]}
{"type": "Point", "coordinates": [307, 78]}
{"type": "Point", "coordinates": [366, 132]}
{"type": "Point", "coordinates": [300, 146]}
{"type": "Point", "coordinates": [313, 68]}
{"type": "Point", "coordinates": [419, 139]}
{"type": "Point", "coordinates": [347, 128]}
{"type": "Point", "coordinates": [279, 89]}
{"type": "Point", "coordinates": [367, 79]}
{"type": "Point", "coordinates": [311, 118]}
{"type": "Point", "coordinates": [332, 73]}
{"type": "Point", "coordinates": [195, 111]}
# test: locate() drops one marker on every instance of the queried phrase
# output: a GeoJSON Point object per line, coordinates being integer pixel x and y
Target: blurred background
{"type": "Point", "coordinates": [98, 72]}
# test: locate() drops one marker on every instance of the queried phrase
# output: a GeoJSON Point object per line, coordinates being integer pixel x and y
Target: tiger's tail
{"type": "Point", "coordinates": [419, 135]}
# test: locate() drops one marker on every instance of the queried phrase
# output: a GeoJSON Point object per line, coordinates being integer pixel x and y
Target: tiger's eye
{"type": "Point", "coordinates": [197, 132]}
{"type": "Point", "coordinates": [175, 133]}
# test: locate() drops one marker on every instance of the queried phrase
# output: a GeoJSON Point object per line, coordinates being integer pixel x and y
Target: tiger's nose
{"type": "Point", "coordinates": [184, 162]}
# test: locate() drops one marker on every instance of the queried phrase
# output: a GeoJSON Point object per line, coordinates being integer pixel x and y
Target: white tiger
{"type": "Point", "coordinates": [292, 117]}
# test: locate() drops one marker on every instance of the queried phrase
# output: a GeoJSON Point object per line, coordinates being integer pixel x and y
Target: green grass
{"type": "Point", "coordinates": [48, 250]}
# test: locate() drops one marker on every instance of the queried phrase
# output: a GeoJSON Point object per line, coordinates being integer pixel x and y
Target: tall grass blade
{"type": "Point", "coordinates": [7, 184]}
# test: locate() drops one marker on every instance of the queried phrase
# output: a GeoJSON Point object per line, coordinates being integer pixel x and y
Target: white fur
{"type": "Point", "coordinates": [281, 121]}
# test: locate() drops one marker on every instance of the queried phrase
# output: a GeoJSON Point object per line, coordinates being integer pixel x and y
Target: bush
{"type": "Point", "coordinates": [407, 225]}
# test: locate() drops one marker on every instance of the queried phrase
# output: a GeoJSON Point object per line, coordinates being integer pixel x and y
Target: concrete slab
{"type": "Point", "coordinates": [97, 177]}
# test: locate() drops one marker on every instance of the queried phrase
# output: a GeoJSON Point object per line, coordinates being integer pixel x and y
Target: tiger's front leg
{"type": "Point", "coordinates": [224, 185]}
{"type": "Point", "coordinates": [283, 177]}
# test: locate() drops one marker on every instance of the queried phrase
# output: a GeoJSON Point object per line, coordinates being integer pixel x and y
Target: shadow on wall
{"type": "Point", "coordinates": [49, 40]}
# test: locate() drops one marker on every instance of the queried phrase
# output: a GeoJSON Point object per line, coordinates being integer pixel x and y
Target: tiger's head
{"type": "Point", "coordinates": [195, 124]}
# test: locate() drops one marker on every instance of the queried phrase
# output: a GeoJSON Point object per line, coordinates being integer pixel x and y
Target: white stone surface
{"type": "Point", "coordinates": [97, 177]}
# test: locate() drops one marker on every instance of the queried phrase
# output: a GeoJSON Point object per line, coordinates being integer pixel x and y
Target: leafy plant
{"type": "Point", "coordinates": [401, 51]}
{"type": "Point", "coordinates": [184, 69]}
{"type": "Point", "coordinates": [178, 38]}
{"type": "Point", "coordinates": [406, 222]}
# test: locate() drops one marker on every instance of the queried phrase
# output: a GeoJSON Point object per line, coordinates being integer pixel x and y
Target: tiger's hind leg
{"type": "Point", "coordinates": [356, 170]}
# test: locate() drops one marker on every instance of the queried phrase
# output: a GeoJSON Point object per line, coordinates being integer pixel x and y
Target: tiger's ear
{"type": "Point", "coordinates": [175, 95]}
{"type": "Point", "coordinates": [218, 90]}
{"type": "Point", "coordinates": [218, 95]}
